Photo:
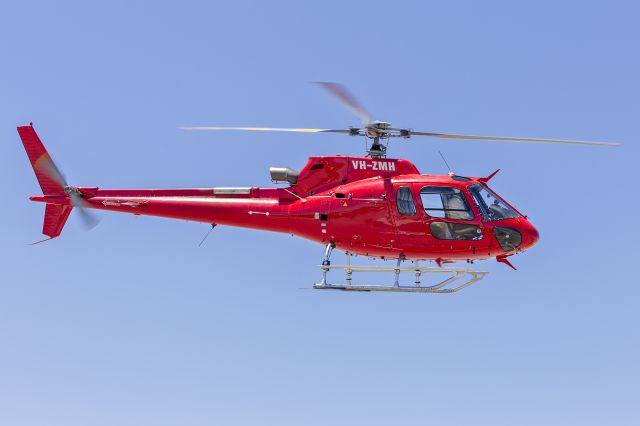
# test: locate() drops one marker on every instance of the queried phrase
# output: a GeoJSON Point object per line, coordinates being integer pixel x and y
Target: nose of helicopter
{"type": "Point", "coordinates": [530, 235]}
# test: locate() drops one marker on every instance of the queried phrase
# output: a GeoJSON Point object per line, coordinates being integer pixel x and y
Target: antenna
{"type": "Point", "coordinates": [213, 225]}
{"type": "Point", "coordinates": [445, 161]}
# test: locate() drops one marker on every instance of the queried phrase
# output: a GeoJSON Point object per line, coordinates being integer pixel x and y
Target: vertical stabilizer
{"type": "Point", "coordinates": [47, 173]}
{"type": "Point", "coordinates": [49, 178]}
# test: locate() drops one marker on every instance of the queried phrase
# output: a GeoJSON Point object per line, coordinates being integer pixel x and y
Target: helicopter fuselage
{"type": "Point", "coordinates": [374, 207]}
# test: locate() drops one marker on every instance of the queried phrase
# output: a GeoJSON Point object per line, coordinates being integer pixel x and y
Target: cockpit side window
{"type": "Point", "coordinates": [404, 201]}
{"type": "Point", "coordinates": [490, 206]}
{"type": "Point", "coordinates": [445, 202]}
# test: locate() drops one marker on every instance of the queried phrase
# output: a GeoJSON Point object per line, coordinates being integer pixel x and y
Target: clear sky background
{"type": "Point", "coordinates": [134, 324]}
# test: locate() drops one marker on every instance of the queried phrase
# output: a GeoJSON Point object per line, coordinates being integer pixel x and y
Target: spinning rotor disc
{"type": "Point", "coordinates": [378, 131]}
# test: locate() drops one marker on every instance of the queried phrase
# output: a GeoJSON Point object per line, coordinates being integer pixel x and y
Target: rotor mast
{"type": "Point", "coordinates": [377, 150]}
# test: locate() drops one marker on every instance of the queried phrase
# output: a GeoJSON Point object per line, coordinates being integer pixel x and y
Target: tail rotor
{"type": "Point", "coordinates": [54, 184]}
{"type": "Point", "coordinates": [89, 220]}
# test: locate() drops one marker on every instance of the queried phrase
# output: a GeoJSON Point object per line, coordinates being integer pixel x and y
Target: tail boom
{"type": "Point", "coordinates": [255, 208]}
{"type": "Point", "coordinates": [198, 205]}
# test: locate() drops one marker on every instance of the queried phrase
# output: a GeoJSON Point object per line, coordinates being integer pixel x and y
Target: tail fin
{"type": "Point", "coordinates": [50, 179]}
{"type": "Point", "coordinates": [55, 217]}
{"type": "Point", "coordinates": [46, 171]}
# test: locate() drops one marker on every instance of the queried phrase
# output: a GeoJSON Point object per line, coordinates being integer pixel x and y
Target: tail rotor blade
{"type": "Point", "coordinates": [88, 219]}
{"type": "Point", "coordinates": [47, 167]}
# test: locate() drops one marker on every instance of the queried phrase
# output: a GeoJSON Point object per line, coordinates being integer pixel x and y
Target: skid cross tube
{"type": "Point", "coordinates": [455, 278]}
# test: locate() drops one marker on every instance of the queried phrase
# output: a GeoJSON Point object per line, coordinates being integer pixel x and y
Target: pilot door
{"type": "Point", "coordinates": [450, 222]}
{"type": "Point", "coordinates": [437, 220]}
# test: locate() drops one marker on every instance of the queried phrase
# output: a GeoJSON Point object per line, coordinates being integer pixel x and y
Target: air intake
{"type": "Point", "coordinates": [283, 174]}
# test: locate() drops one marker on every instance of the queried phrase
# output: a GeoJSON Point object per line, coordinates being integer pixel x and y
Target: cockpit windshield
{"type": "Point", "coordinates": [490, 206]}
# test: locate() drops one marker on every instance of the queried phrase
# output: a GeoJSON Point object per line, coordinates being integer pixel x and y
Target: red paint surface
{"type": "Point", "coordinates": [350, 201]}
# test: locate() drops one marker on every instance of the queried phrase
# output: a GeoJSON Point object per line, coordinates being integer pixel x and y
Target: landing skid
{"type": "Point", "coordinates": [455, 279]}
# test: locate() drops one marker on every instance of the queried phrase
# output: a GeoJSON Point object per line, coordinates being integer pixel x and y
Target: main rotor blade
{"type": "Point", "coordinates": [270, 129]}
{"type": "Point", "coordinates": [511, 139]}
{"type": "Point", "coordinates": [341, 92]}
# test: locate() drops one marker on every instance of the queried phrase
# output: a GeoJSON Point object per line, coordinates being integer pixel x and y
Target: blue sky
{"type": "Point", "coordinates": [133, 323]}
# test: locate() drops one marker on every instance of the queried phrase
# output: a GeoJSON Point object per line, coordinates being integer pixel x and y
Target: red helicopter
{"type": "Point", "coordinates": [371, 206]}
